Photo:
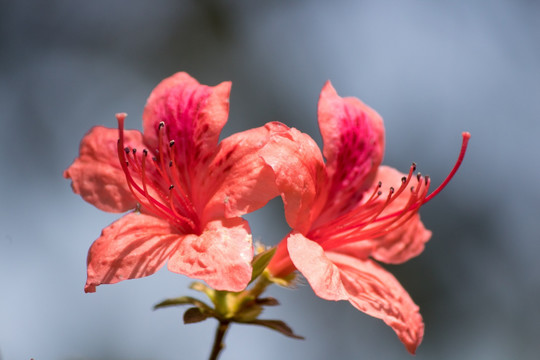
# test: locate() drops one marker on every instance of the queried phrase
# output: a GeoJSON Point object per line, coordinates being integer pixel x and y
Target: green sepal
{"type": "Point", "coordinates": [278, 326]}
{"type": "Point", "coordinates": [260, 262]}
{"type": "Point", "coordinates": [267, 301]}
{"type": "Point", "coordinates": [184, 300]}
{"type": "Point", "coordinates": [248, 313]}
{"type": "Point", "coordinates": [288, 281]}
{"type": "Point", "coordinates": [195, 315]}
{"type": "Point", "coordinates": [199, 286]}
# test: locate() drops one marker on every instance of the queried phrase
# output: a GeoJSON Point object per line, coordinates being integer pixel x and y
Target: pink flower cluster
{"type": "Point", "coordinates": [184, 192]}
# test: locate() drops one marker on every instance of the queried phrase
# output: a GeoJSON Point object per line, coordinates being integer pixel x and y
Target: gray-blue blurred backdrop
{"type": "Point", "coordinates": [432, 69]}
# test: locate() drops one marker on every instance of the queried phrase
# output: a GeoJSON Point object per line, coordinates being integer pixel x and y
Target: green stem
{"type": "Point", "coordinates": [218, 341]}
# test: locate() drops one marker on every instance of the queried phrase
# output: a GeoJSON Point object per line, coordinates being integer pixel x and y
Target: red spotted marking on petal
{"type": "Point", "coordinates": [353, 136]}
{"type": "Point", "coordinates": [194, 115]}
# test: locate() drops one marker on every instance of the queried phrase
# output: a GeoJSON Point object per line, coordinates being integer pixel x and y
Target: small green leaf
{"type": "Point", "coordinates": [277, 325]}
{"type": "Point", "coordinates": [261, 261]}
{"type": "Point", "coordinates": [194, 315]}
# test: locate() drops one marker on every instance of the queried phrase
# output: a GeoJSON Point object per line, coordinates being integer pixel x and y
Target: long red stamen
{"type": "Point", "coordinates": [369, 211]}
{"type": "Point", "coordinates": [366, 222]}
{"type": "Point", "coordinates": [179, 194]}
{"type": "Point", "coordinates": [465, 141]}
{"type": "Point", "coordinates": [149, 189]}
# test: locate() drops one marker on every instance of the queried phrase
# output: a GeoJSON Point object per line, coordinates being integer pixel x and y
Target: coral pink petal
{"type": "Point", "coordinates": [134, 246]}
{"type": "Point", "coordinates": [238, 180]}
{"type": "Point", "coordinates": [97, 175]}
{"type": "Point", "coordinates": [299, 174]}
{"type": "Point", "coordinates": [359, 249]}
{"type": "Point", "coordinates": [408, 240]}
{"type": "Point", "coordinates": [353, 137]}
{"type": "Point", "coordinates": [221, 255]}
{"type": "Point", "coordinates": [310, 259]}
{"type": "Point", "coordinates": [376, 292]}
{"type": "Point", "coordinates": [281, 264]}
{"type": "Point", "coordinates": [368, 287]}
{"type": "Point", "coordinates": [193, 115]}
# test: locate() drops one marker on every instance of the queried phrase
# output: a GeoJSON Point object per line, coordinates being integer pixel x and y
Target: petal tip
{"type": "Point", "coordinates": [90, 288]}
{"type": "Point", "coordinates": [328, 90]}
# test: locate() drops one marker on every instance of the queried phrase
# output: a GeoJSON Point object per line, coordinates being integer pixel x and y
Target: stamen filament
{"type": "Point", "coordinates": [465, 141]}
{"type": "Point", "coordinates": [356, 225]}
{"type": "Point", "coordinates": [167, 209]}
{"type": "Point", "coordinates": [180, 193]}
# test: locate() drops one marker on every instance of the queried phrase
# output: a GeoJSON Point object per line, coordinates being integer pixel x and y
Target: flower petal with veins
{"type": "Point", "coordinates": [299, 175]}
{"type": "Point", "coordinates": [239, 181]}
{"type": "Point", "coordinates": [376, 292]}
{"type": "Point", "coordinates": [97, 175]}
{"type": "Point", "coordinates": [134, 246]}
{"type": "Point", "coordinates": [368, 287]}
{"type": "Point", "coordinates": [221, 255]}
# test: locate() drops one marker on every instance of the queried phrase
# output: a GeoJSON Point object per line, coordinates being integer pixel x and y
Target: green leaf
{"type": "Point", "coordinates": [194, 315]}
{"type": "Point", "coordinates": [277, 325]}
{"type": "Point", "coordinates": [261, 261]}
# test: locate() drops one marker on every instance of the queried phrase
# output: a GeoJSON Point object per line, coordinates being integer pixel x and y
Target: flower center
{"type": "Point", "coordinates": [156, 183]}
{"type": "Point", "coordinates": [372, 218]}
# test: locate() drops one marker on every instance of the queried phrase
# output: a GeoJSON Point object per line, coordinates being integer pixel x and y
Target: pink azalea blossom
{"type": "Point", "coordinates": [350, 211]}
{"type": "Point", "coordinates": [188, 191]}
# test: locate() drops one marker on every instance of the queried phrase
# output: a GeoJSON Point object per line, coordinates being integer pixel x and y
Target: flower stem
{"type": "Point", "coordinates": [218, 341]}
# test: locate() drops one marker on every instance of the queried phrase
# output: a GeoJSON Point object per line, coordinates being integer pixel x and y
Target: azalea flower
{"type": "Point", "coordinates": [185, 191]}
{"type": "Point", "coordinates": [350, 212]}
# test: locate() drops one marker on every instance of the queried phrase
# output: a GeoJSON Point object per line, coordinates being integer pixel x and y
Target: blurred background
{"type": "Point", "coordinates": [431, 69]}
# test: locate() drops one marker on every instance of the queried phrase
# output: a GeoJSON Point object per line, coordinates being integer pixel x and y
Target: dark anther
{"type": "Point", "coordinates": [379, 184]}
{"type": "Point", "coordinates": [145, 152]}
{"type": "Point", "coordinates": [126, 149]}
{"type": "Point", "coordinates": [171, 143]}
{"type": "Point", "coordinates": [161, 124]}
{"type": "Point", "coordinates": [419, 176]}
{"type": "Point", "coordinates": [134, 151]}
{"type": "Point", "coordinates": [403, 179]}
{"type": "Point", "coordinates": [170, 163]}
{"type": "Point", "coordinates": [171, 187]}
{"type": "Point", "coordinates": [413, 166]}
{"type": "Point", "coordinates": [379, 193]}
{"type": "Point", "coordinates": [154, 158]}
{"type": "Point", "coordinates": [391, 190]}
{"type": "Point", "coordinates": [427, 179]}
